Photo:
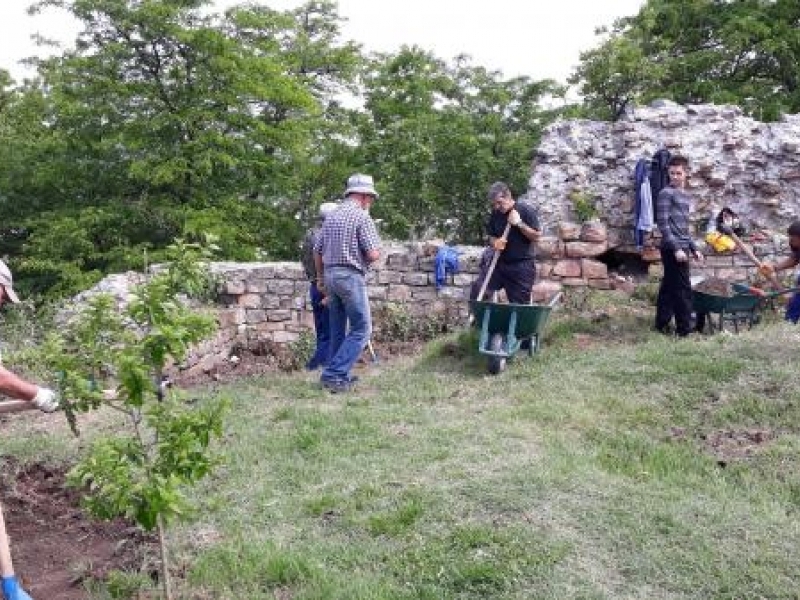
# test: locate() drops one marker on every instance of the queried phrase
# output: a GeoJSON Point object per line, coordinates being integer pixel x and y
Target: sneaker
{"type": "Point", "coordinates": [337, 387]}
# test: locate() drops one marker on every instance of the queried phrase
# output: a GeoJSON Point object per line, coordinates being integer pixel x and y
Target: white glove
{"type": "Point", "coordinates": [45, 400]}
{"type": "Point", "coordinates": [513, 218]}
{"type": "Point", "coordinates": [680, 256]}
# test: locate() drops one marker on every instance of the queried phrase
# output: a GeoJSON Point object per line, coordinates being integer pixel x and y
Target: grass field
{"type": "Point", "coordinates": [622, 465]}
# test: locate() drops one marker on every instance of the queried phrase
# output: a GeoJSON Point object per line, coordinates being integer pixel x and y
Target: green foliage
{"type": "Point", "coordinates": [437, 134]}
{"type": "Point", "coordinates": [140, 475]}
{"type": "Point", "coordinates": [396, 323]}
{"type": "Point", "coordinates": [300, 351]}
{"type": "Point", "coordinates": [584, 207]}
{"type": "Point", "coordinates": [742, 52]}
{"type": "Point", "coordinates": [166, 120]}
{"type": "Point", "coordinates": [107, 358]}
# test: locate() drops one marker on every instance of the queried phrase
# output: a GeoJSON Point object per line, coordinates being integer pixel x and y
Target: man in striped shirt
{"type": "Point", "coordinates": [673, 209]}
{"type": "Point", "coordinates": [347, 245]}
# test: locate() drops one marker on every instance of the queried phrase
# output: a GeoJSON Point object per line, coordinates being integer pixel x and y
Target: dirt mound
{"type": "Point", "coordinates": [55, 546]}
{"type": "Point", "coordinates": [715, 287]}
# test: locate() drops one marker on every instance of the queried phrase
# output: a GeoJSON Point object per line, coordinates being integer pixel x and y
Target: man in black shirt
{"type": "Point", "coordinates": [515, 271]}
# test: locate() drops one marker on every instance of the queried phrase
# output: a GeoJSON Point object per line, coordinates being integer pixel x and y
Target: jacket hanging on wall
{"type": "Point", "coordinates": [643, 222]}
{"type": "Point", "coordinates": [446, 262]}
{"type": "Point", "coordinates": [659, 174]}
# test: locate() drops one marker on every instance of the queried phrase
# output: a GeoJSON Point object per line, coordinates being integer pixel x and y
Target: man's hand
{"type": "Point", "coordinates": [680, 256]}
{"type": "Point", "coordinates": [767, 269]}
{"type": "Point", "coordinates": [698, 256]}
{"type": "Point", "coordinates": [499, 244]}
{"type": "Point", "coordinates": [513, 218]}
{"type": "Point", "coordinates": [45, 400]}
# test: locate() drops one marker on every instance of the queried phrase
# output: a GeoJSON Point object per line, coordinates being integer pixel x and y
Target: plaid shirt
{"type": "Point", "coordinates": [672, 216]}
{"type": "Point", "coordinates": [347, 235]}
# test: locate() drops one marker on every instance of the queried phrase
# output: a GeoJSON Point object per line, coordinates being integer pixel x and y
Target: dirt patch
{"type": "Point", "coordinates": [253, 364]}
{"type": "Point", "coordinates": [55, 546]}
{"type": "Point", "coordinates": [736, 444]}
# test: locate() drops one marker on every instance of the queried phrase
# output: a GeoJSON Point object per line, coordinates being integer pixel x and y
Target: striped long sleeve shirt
{"type": "Point", "coordinates": [673, 208]}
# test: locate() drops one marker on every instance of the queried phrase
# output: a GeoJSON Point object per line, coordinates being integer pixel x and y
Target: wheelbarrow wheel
{"type": "Point", "coordinates": [497, 364]}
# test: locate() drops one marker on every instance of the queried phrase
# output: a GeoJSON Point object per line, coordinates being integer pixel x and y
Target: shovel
{"type": "Point", "coordinates": [372, 354]}
{"type": "Point", "coordinates": [493, 264]}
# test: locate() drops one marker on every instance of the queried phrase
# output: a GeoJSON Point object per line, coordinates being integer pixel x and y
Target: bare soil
{"type": "Point", "coordinates": [55, 546]}
{"type": "Point", "coordinates": [253, 364]}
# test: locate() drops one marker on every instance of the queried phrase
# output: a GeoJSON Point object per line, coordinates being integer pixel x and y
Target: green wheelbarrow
{"type": "Point", "coordinates": [743, 308]}
{"type": "Point", "coordinates": [504, 328]}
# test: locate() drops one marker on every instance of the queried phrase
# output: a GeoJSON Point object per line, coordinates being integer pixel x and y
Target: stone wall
{"type": "Point", "coordinates": [264, 305]}
{"type": "Point", "coordinates": [736, 161]}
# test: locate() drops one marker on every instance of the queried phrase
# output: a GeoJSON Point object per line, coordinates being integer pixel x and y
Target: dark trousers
{"type": "Point", "coordinates": [321, 328]}
{"type": "Point", "coordinates": [674, 295]}
{"type": "Point", "coordinates": [516, 278]}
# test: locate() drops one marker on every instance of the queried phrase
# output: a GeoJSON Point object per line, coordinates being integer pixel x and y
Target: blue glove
{"type": "Point", "coordinates": [12, 591]}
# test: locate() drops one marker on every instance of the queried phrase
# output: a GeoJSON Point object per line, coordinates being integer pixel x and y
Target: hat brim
{"type": "Point", "coordinates": [12, 295]}
{"type": "Point", "coordinates": [362, 190]}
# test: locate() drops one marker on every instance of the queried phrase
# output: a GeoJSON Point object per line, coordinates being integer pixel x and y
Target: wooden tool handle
{"type": "Point", "coordinates": [749, 252]}
{"type": "Point", "coordinates": [10, 406]}
{"type": "Point", "coordinates": [493, 264]}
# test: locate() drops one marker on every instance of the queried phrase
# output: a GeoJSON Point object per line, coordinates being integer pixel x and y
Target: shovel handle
{"type": "Point", "coordinates": [493, 264]}
{"type": "Point", "coordinates": [11, 406]}
{"type": "Point", "coordinates": [749, 252]}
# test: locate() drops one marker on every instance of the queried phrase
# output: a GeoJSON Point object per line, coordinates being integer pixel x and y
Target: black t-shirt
{"type": "Point", "coordinates": [518, 246]}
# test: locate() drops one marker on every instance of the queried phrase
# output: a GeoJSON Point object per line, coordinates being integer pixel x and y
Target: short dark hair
{"type": "Point", "coordinates": [678, 161]}
{"type": "Point", "coordinates": [794, 229]}
{"type": "Point", "coordinates": [497, 189]}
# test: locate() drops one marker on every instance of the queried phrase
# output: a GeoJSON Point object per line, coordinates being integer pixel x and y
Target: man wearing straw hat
{"type": "Point", "coordinates": [347, 245]}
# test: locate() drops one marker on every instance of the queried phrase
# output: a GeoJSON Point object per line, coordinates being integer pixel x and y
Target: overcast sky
{"type": "Point", "coordinates": [538, 38]}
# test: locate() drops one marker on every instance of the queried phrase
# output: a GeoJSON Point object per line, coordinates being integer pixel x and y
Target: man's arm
{"type": "Point", "coordinates": [787, 263]}
{"type": "Point", "coordinates": [369, 241]}
{"type": "Point", "coordinates": [529, 223]}
{"type": "Point", "coordinates": [319, 268]}
{"type": "Point", "coordinates": [14, 386]}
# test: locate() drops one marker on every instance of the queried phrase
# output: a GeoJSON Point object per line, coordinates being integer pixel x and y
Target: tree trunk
{"type": "Point", "coordinates": [166, 583]}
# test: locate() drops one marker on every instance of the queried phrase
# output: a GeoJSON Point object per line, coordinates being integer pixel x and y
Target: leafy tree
{"type": "Point", "coordinates": [144, 472]}
{"type": "Point", "coordinates": [724, 51]}
{"type": "Point", "coordinates": [164, 121]}
{"type": "Point", "coordinates": [437, 134]}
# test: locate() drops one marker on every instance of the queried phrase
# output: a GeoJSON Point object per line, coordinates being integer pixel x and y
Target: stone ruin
{"type": "Point", "coordinates": [735, 161]}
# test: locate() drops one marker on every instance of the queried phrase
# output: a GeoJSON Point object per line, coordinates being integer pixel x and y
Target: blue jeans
{"type": "Point", "coordinates": [793, 308]}
{"type": "Point", "coordinates": [350, 321]}
{"type": "Point", "coordinates": [321, 328]}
